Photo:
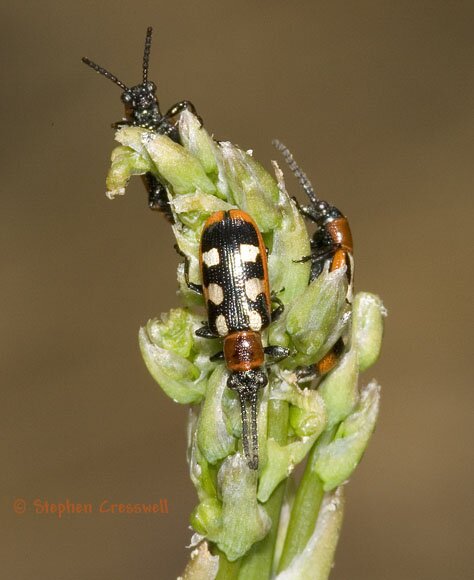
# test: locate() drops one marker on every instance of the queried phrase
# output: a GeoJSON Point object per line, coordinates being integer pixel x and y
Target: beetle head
{"type": "Point", "coordinates": [246, 383]}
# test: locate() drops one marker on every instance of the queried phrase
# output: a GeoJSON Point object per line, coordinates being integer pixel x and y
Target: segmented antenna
{"type": "Point", "coordinates": [146, 53]}
{"type": "Point", "coordinates": [104, 72]}
{"type": "Point", "coordinates": [253, 412]}
{"type": "Point", "coordinates": [245, 437]}
{"type": "Point", "coordinates": [296, 169]}
{"type": "Point", "coordinates": [249, 429]}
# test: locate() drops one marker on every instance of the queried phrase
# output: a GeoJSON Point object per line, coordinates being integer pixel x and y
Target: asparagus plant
{"type": "Point", "coordinates": [257, 524]}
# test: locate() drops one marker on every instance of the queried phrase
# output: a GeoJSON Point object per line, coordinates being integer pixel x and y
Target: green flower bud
{"type": "Point", "coordinates": [178, 166]}
{"type": "Point", "coordinates": [164, 345]}
{"type": "Point", "coordinates": [206, 518]}
{"type": "Point", "coordinates": [316, 560]}
{"type": "Point", "coordinates": [135, 138]}
{"type": "Point", "coordinates": [173, 162]}
{"type": "Point", "coordinates": [367, 328]}
{"type": "Point", "coordinates": [244, 521]}
{"type": "Point", "coordinates": [202, 565]}
{"type": "Point", "coordinates": [290, 243]}
{"type": "Point", "coordinates": [214, 439]}
{"type": "Point", "coordinates": [125, 162]}
{"type": "Point", "coordinates": [253, 189]}
{"type": "Point", "coordinates": [337, 459]}
{"type": "Point", "coordinates": [198, 142]}
{"type": "Point", "coordinates": [200, 473]}
{"type": "Point", "coordinates": [174, 332]}
{"type": "Point", "coordinates": [339, 389]}
{"type": "Point", "coordinates": [307, 410]}
{"type": "Point", "coordinates": [315, 320]}
{"type": "Point", "coordinates": [281, 461]}
{"type": "Point", "coordinates": [193, 209]}
{"type": "Point", "coordinates": [308, 419]}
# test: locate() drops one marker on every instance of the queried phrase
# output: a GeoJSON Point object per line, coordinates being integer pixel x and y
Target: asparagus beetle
{"type": "Point", "coordinates": [233, 263]}
{"type": "Point", "coordinates": [331, 241]}
{"type": "Point", "coordinates": [142, 109]}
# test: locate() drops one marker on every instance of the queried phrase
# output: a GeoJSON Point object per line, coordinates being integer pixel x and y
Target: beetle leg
{"type": "Point", "coordinates": [157, 196]}
{"type": "Point", "coordinates": [191, 285]}
{"type": "Point", "coordinates": [318, 256]}
{"type": "Point", "coordinates": [306, 374]}
{"type": "Point", "coordinates": [205, 332]}
{"type": "Point", "coordinates": [219, 356]}
{"type": "Point", "coordinates": [122, 123]}
{"type": "Point", "coordinates": [277, 312]}
{"type": "Point", "coordinates": [194, 287]}
{"type": "Point", "coordinates": [178, 108]}
{"type": "Point", "coordinates": [277, 353]}
{"type": "Point", "coordinates": [179, 251]}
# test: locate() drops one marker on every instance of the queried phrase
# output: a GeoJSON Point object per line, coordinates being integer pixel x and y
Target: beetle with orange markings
{"type": "Point", "coordinates": [331, 241]}
{"type": "Point", "coordinates": [235, 284]}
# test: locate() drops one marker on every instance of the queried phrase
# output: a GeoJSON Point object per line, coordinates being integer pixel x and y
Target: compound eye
{"type": "Point", "coordinates": [126, 98]}
{"type": "Point", "coordinates": [151, 87]}
{"type": "Point", "coordinates": [323, 208]}
{"type": "Point", "coordinates": [233, 382]}
{"type": "Point", "coordinates": [262, 380]}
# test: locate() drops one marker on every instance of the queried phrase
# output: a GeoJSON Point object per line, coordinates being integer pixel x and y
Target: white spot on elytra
{"type": "Point", "coordinates": [221, 325]}
{"type": "Point", "coordinates": [253, 287]}
{"type": "Point", "coordinates": [249, 252]}
{"type": "Point", "coordinates": [211, 258]}
{"type": "Point", "coordinates": [215, 294]}
{"type": "Point", "coordinates": [255, 320]}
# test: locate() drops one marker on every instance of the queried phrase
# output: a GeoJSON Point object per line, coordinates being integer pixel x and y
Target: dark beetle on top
{"type": "Point", "coordinates": [142, 109]}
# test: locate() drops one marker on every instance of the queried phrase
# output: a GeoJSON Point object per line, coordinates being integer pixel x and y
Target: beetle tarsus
{"type": "Point", "coordinates": [205, 332]}
{"type": "Point", "coordinates": [277, 353]}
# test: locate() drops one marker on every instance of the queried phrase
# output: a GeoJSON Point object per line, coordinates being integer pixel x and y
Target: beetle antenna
{"type": "Point", "coordinates": [296, 169]}
{"type": "Point", "coordinates": [104, 72]}
{"type": "Point", "coordinates": [146, 53]}
{"type": "Point", "coordinates": [249, 428]}
{"type": "Point", "coordinates": [253, 411]}
{"type": "Point", "coordinates": [245, 437]}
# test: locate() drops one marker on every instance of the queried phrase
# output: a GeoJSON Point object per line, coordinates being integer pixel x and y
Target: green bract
{"type": "Point", "coordinates": [333, 423]}
{"type": "Point", "coordinates": [337, 459]}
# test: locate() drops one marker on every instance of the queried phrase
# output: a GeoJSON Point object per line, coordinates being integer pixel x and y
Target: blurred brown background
{"type": "Point", "coordinates": [376, 101]}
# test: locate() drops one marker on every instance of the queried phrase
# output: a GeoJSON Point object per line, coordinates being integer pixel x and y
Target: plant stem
{"type": "Point", "coordinates": [304, 512]}
{"type": "Point", "coordinates": [227, 570]}
{"type": "Point", "coordinates": [257, 564]}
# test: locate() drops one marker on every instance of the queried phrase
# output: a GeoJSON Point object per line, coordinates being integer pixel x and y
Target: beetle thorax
{"type": "Point", "coordinates": [243, 351]}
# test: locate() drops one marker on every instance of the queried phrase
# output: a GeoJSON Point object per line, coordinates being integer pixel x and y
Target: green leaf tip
{"type": "Point", "coordinates": [166, 346]}
{"type": "Point", "coordinates": [367, 328]}
{"type": "Point", "coordinates": [337, 459]}
{"type": "Point", "coordinates": [244, 520]}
